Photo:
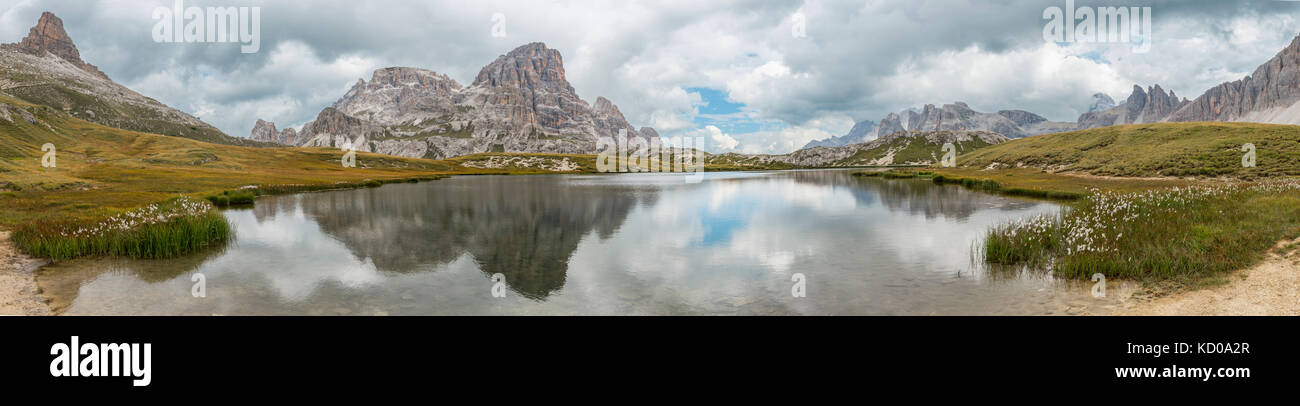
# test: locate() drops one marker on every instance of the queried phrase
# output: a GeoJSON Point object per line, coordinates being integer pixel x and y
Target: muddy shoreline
{"type": "Point", "coordinates": [19, 294]}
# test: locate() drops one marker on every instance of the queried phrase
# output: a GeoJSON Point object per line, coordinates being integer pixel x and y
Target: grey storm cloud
{"type": "Point", "coordinates": [859, 59]}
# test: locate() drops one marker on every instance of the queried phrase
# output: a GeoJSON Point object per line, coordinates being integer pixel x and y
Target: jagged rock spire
{"type": "Point", "coordinates": [49, 36]}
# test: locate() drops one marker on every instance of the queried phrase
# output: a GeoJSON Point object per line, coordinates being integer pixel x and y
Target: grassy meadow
{"type": "Point", "coordinates": [1154, 202]}
{"type": "Point", "coordinates": [103, 173]}
{"type": "Point", "coordinates": [1152, 150]}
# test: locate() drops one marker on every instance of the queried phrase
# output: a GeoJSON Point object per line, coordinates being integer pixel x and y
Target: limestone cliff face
{"type": "Point", "coordinates": [892, 123]}
{"type": "Point", "coordinates": [1152, 105]}
{"type": "Point", "coordinates": [521, 102]}
{"type": "Point", "coordinates": [401, 95]}
{"type": "Point", "coordinates": [1271, 94]}
{"type": "Point", "coordinates": [527, 87]}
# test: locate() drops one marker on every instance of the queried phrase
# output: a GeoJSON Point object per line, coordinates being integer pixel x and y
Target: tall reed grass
{"type": "Point", "coordinates": [173, 228]}
{"type": "Point", "coordinates": [1165, 234]}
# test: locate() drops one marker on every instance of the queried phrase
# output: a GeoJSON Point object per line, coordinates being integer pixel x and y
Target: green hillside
{"type": "Point", "coordinates": [121, 115]}
{"type": "Point", "coordinates": [1145, 150]}
{"type": "Point", "coordinates": [910, 150]}
{"type": "Point", "coordinates": [101, 171]}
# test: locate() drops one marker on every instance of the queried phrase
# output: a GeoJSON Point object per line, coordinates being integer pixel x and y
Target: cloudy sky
{"type": "Point", "coordinates": [746, 74]}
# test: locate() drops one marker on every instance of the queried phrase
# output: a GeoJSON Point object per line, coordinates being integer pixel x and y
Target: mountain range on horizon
{"type": "Point", "coordinates": [523, 102]}
{"type": "Point", "coordinates": [1142, 106]}
{"type": "Point", "coordinates": [1269, 95]}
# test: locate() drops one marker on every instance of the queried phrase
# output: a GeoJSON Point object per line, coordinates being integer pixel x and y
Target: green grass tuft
{"type": "Point", "coordinates": [992, 186]}
{"type": "Point", "coordinates": [170, 229]}
{"type": "Point", "coordinates": [232, 198]}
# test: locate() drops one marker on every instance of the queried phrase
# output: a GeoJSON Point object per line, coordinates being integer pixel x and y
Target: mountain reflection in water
{"type": "Point", "coordinates": [590, 244]}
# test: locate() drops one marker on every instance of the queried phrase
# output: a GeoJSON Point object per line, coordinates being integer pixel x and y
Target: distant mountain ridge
{"type": "Point", "coordinates": [521, 102]}
{"type": "Point", "coordinates": [922, 147]}
{"type": "Point", "coordinates": [45, 68]}
{"type": "Point", "coordinates": [957, 116]}
{"type": "Point", "coordinates": [1142, 106]}
{"type": "Point", "coordinates": [1269, 95]}
{"type": "Point", "coordinates": [1101, 101]}
{"type": "Point", "coordinates": [862, 131]}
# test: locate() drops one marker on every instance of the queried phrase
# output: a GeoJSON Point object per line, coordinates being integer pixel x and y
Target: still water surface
{"type": "Point", "coordinates": [593, 244]}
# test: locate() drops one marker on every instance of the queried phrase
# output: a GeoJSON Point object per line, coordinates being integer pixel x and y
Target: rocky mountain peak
{"type": "Point", "coordinates": [1157, 104]}
{"type": "Point", "coordinates": [862, 128]}
{"type": "Point", "coordinates": [892, 123]}
{"type": "Point", "coordinates": [411, 77]}
{"type": "Point", "coordinates": [1101, 101]}
{"type": "Point", "coordinates": [49, 36]}
{"type": "Point", "coordinates": [1150, 105]}
{"type": "Point", "coordinates": [1137, 96]}
{"type": "Point", "coordinates": [529, 66]}
{"type": "Point", "coordinates": [1270, 95]}
{"type": "Point", "coordinates": [46, 62]}
{"type": "Point", "coordinates": [521, 102]}
{"type": "Point", "coordinates": [603, 105]}
{"type": "Point", "coordinates": [526, 91]}
{"type": "Point", "coordinates": [266, 132]}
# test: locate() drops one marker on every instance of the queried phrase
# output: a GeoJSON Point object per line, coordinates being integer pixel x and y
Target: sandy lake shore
{"type": "Point", "coordinates": [19, 295]}
{"type": "Point", "coordinates": [1270, 288]}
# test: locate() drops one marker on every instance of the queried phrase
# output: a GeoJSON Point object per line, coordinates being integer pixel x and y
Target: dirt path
{"type": "Point", "coordinates": [19, 294]}
{"type": "Point", "coordinates": [1271, 288]}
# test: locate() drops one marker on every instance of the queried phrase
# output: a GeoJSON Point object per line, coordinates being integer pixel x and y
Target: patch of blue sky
{"type": "Point", "coordinates": [730, 117]}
